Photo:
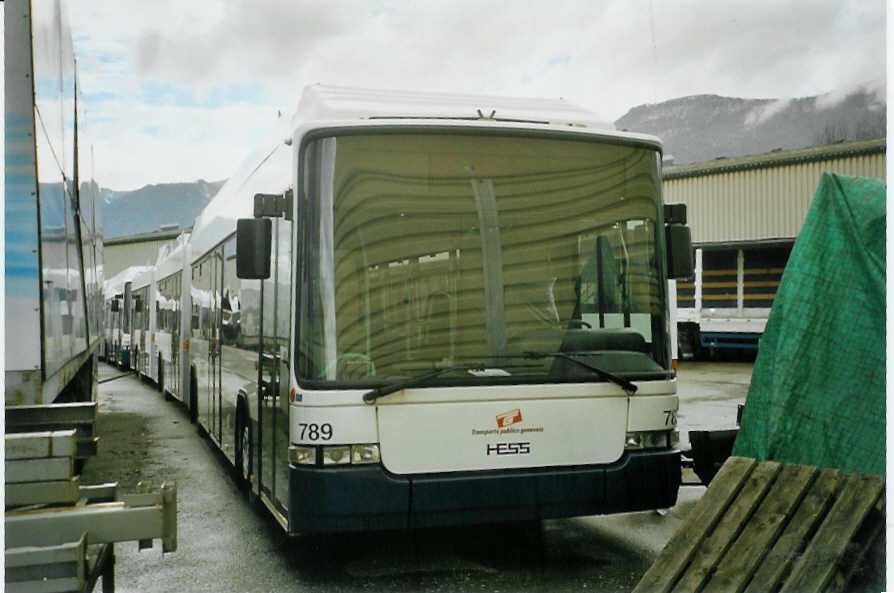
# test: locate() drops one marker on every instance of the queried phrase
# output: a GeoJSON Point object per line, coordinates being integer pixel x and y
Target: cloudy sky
{"type": "Point", "coordinates": [177, 91]}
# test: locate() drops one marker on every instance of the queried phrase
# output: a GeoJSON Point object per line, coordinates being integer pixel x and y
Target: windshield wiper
{"type": "Point", "coordinates": [374, 394]}
{"type": "Point", "coordinates": [626, 385]}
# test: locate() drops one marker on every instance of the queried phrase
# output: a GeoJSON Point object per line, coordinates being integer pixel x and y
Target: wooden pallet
{"type": "Point", "coordinates": [765, 526]}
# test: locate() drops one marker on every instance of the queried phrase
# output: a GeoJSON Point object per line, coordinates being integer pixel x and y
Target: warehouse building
{"type": "Point", "coordinates": [745, 214]}
{"type": "Point", "coordinates": [136, 250]}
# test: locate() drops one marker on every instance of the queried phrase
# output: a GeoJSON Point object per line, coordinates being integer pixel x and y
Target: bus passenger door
{"type": "Point", "coordinates": [214, 349]}
{"type": "Point", "coordinates": [201, 339]}
{"type": "Point", "coordinates": [274, 404]}
{"type": "Point", "coordinates": [282, 303]}
{"type": "Point", "coordinates": [238, 353]}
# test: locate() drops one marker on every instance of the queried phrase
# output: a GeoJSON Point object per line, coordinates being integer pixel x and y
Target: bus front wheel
{"type": "Point", "coordinates": [243, 445]}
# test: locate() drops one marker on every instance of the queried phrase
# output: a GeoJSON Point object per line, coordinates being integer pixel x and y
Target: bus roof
{"type": "Point", "coordinates": [265, 170]}
{"type": "Point", "coordinates": [170, 257]}
{"type": "Point", "coordinates": [116, 283]}
{"type": "Point", "coordinates": [322, 102]}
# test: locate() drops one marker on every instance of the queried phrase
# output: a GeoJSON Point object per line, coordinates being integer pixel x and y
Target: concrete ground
{"type": "Point", "coordinates": [709, 393]}
{"type": "Point", "coordinates": [226, 544]}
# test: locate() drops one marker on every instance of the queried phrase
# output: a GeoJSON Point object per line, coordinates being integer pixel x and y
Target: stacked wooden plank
{"type": "Point", "coordinates": [767, 526]}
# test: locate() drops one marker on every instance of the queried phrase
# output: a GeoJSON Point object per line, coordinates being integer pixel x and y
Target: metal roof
{"type": "Point", "coordinates": [765, 198]}
{"type": "Point", "coordinates": [158, 235]}
{"type": "Point", "coordinates": [777, 158]}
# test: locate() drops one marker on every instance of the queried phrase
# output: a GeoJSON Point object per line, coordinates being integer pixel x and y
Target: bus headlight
{"type": "Point", "coordinates": [647, 439]}
{"type": "Point", "coordinates": [337, 455]}
{"type": "Point", "coordinates": [365, 453]}
{"type": "Point", "coordinates": [334, 454]}
{"type": "Point", "coordinates": [302, 455]}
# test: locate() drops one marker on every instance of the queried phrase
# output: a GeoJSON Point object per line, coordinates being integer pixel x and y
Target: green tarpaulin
{"type": "Point", "coordinates": [817, 395]}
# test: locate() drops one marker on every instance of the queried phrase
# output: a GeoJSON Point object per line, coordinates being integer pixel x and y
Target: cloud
{"type": "Point", "coordinates": [199, 63]}
{"type": "Point", "coordinates": [763, 113]}
{"type": "Point", "coordinates": [874, 88]}
{"type": "Point", "coordinates": [158, 143]}
{"type": "Point", "coordinates": [264, 37]}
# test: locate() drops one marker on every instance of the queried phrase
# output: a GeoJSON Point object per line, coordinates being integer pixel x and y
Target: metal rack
{"type": "Point", "coordinates": [60, 535]}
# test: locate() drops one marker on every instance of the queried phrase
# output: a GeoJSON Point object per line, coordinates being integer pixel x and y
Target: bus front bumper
{"type": "Point", "coordinates": [359, 498]}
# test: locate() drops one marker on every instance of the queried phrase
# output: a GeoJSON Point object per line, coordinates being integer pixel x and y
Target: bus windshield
{"type": "Point", "coordinates": [420, 251]}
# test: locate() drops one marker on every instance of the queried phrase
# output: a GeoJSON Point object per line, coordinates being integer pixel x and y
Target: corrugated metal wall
{"type": "Point", "coordinates": [119, 255]}
{"type": "Point", "coordinates": [759, 203]}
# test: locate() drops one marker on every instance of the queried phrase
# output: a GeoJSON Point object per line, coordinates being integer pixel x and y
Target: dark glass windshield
{"type": "Point", "coordinates": [419, 251]}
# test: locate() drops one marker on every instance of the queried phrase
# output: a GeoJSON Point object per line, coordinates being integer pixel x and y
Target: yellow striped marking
{"type": "Point", "coordinates": [747, 271]}
{"type": "Point", "coordinates": [691, 285]}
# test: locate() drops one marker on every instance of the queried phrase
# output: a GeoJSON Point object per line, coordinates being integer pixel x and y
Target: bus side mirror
{"type": "Point", "coordinates": [675, 214]}
{"type": "Point", "coordinates": [253, 243]}
{"type": "Point", "coordinates": [679, 251]}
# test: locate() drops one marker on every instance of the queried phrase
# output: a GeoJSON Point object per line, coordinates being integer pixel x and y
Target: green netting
{"type": "Point", "coordinates": [817, 395]}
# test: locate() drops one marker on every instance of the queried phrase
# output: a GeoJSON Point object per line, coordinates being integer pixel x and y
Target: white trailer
{"type": "Point", "coordinates": [53, 232]}
{"type": "Point", "coordinates": [727, 303]}
{"type": "Point", "coordinates": [59, 534]}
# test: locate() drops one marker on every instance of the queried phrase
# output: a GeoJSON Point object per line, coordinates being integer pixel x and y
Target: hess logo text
{"type": "Point", "coordinates": [509, 448]}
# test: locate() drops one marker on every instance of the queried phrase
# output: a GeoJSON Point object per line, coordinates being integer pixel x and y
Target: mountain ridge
{"type": "Point", "coordinates": [703, 127]}
{"type": "Point", "coordinates": [693, 128]}
{"type": "Point", "coordinates": [155, 205]}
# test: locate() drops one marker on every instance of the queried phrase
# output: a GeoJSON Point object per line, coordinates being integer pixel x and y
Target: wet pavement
{"type": "Point", "coordinates": [709, 395]}
{"type": "Point", "coordinates": [227, 544]}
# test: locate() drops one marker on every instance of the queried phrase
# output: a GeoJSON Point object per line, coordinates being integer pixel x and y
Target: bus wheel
{"type": "Point", "coordinates": [193, 397]}
{"type": "Point", "coordinates": [243, 445]}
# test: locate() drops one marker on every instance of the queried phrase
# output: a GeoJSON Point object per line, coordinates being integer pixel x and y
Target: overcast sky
{"type": "Point", "coordinates": [177, 91]}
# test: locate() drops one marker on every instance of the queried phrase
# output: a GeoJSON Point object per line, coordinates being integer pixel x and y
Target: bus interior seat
{"type": "Point", "coordinates": [595, 340]}
{"type": "Point", "coordinates": [586, 340]}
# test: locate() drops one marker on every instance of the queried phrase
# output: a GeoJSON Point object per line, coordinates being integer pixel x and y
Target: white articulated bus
{"type": "Point", "coordinates": [142, 291]}
{"type": "Point", "coordinates": [155, 313]}
{"type": "Point", "coordinates": [413, 310]}
{"type": "Point", "coordinates": [167, 370]}
{"type": "Point", "coordinates": [118, 315]}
